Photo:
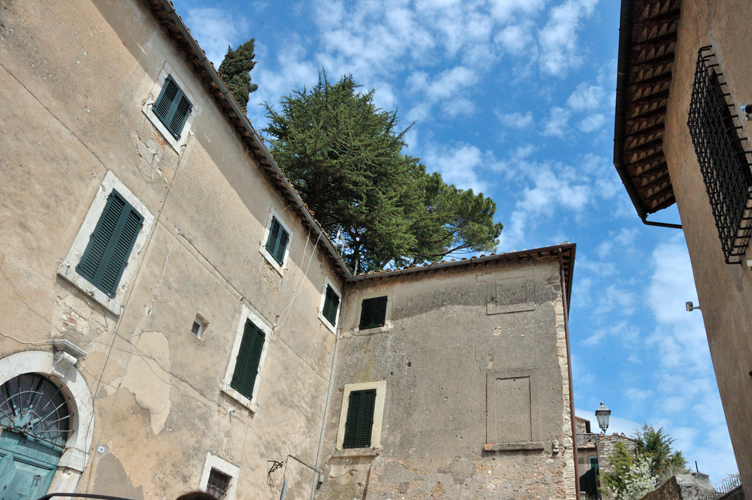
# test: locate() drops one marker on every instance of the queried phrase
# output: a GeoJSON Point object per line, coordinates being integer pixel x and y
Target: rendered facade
{"type": "Point", "coordinates": [173, 318]}
{"type": "Point", "coordinates": [682, 136]}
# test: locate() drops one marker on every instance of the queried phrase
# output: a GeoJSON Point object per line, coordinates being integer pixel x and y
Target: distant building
{"type": "Point", "coordinates": [594, 452]}
{"type": "Point", "coordinates": [683, 136]}
{"type": "Point", "coordinates": [173, 317]}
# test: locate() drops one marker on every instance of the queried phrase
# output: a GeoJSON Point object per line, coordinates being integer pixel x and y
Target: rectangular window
{"type": "Point", "coordinates": [199, 325]}
{"type": "Point", "coordinates": [373, 313]}
{"type": "Point", "coordinates": [331, 306]}
{"type": "Point", "coordinates": [359, 419]}
{"type": "Point", "coordinates": [247, 362]}
{"type": "Point", "coordinates": [276, 244]}
{"type": "Point", "coordinates": [722, 158]}
{"type": "Point", "coordinates": [110, 244]}
{"type": "Point", "coordinates": [172, 107]}
{"type": "Point", "coordinates": [218, 484]}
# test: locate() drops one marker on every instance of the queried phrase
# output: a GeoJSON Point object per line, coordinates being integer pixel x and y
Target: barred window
{"type": "Point", "coordinates": [722, 158]}
{"type": "Point", "coordinates": [218, 484]}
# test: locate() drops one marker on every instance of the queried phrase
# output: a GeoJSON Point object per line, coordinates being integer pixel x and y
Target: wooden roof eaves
{"type": "Point", "coordinates": [653, 27]}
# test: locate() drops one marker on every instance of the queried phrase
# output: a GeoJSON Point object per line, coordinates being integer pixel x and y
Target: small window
{"type": "Point", "coordinates": [247, 362]}
{"type": "Point", "coordinates": [110, 244]}
{"type": "Point", "coordinates": [359, 419]}
{"type": "Point", "coordinates": [277, 242]}
{"type": "Point", "coordinates": [199, 325]}
{"type": "Point", "coordinates": [331, 306]}
{"type": "Point", "coordinates": [594, 463]}
{"type": "Point", "coordinates": [218, 484]}
{"type": "Point", "coordinates": [373, 313]}
{"type": "Point", "coordinates": [172, 107]}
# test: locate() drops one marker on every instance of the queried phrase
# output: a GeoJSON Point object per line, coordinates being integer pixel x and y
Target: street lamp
{"type": "Point", "coordinates": [602, 414]}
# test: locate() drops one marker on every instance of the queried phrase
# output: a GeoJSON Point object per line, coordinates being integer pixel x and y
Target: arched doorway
{"type": "Point", "coordinates": [35, 422]}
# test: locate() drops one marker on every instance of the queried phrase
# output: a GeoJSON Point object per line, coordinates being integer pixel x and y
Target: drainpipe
{"type": "Point", "coordinates": [569, 369]}
{"type": "Point", "coordinates": [316, 471]}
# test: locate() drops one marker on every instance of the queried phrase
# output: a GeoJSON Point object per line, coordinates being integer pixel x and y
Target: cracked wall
{"type": "Point", "coordinates": [75, 78]}
{"type": "Point", "coordinates": [453, 335]}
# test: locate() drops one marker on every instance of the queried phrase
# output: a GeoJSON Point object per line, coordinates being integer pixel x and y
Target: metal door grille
{"type": "Point", "coordinates": [723, 160]}
{"type": "Point", "coordinates": [33, 406]}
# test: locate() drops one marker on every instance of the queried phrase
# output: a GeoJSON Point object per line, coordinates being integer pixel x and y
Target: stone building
{"type": "Point", "coordinates": [682, 136]}
{"type": "Point", "coordinates": [594, 452]}
{"type": "Point", "coordinates": [174, 318]}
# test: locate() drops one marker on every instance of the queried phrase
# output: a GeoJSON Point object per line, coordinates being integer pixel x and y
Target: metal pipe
{"type": "Point", "coordinates": [323, 420]}
{"type": "Point", "coordinates": [284, 490]}
{"type": "Point", "coordinates": [661, 224]}
{"type": "Point", "coordinates": [564, 293]}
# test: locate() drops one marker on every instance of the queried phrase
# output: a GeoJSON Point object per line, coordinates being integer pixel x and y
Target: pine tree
{"type": "Point", "coordinates": [235, 72]}
{"type": "Point", "coordinates": [344, 156]}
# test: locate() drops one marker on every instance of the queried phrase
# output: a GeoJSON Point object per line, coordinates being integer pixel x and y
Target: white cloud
{"type": "Point", "coordinates": [215, 30]}
{"type": "Point", "coordinates": [558, 38]}
{"type": "Point", "coordinates": [557, 122]}
{"type": "Point", "coordinates": [516, 120]}
{"type": "Point", "coordinates": [586, 97]}
{"type": "Point", "coordinates": [592, 123]}
{"type": "Point", "coordinates": [458, 165]}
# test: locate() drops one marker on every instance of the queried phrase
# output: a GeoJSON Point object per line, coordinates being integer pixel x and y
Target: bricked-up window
{"type": "Point", "coordinates": [722, 158]}
{"type": "Point", "coordinates": [218, 484]}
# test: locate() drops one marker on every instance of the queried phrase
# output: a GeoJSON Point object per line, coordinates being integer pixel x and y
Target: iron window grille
{"type": "Point", "coordinates": [722, 158]}
{"type": "Point", "coordinates": [218, 484]}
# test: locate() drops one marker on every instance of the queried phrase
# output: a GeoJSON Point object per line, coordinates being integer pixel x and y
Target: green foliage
{"type": "Point", "coordinates": [235, 71]}
{"type": "Point", "coordinates": [656, 445]}
{"type": "Point", "coordinates": [621, 462]}
{"type": "Point", "coordinates": [638, 481]}
{"type": "Point", "coordinates": [344, 156]}
{"type": "Point", "coordinates": [653, 462]}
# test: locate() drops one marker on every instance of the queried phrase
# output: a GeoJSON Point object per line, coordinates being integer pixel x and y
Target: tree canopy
{"type": "Point", "coordinates": [235, 71]}
{"type": "Point", "coordinates": [653, 461]}
{"type": "Point", "coordinates": [344, 156]}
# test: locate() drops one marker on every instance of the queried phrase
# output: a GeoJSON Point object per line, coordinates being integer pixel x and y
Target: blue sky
{"type": "Point", "coordinates": [515, 98]}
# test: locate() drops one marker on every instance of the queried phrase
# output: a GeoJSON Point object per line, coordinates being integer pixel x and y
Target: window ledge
{"type": "Point", "coordinates": [355, 452]}
{"type": "Point", "coordinates": [372, 331]}
{"type": "Point", "coordinates": [531, 445]}
{"type": "Point", "coordinates": [276, 265]}
{"type": "Point", "coordinates": [69, 274]}
{"type": "Point", "coordinates": [229, 391]}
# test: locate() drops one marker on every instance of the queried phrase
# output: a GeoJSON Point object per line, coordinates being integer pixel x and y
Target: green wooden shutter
{"type": "Point", "coordinates": [373, 313]}
{"type": "Point", "coordinates": [247, 362]}
{"type": "Point", "coordinates": [172, 107]}
{"type": "Point", "coordinates": [331, 303]}
{"type": "Point", "coordinates": [276, 244]}
{"type": "Point", "coordinates": [359, 423]}
{"type": "Point", "coordinates": [110, 244]}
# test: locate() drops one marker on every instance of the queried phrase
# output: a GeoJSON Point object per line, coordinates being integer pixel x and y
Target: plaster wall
{"type": "Point", "coordinates": [75, 76]}
{"type": "Point", "coordinates": [450, 335]}
{"type": "Point", "coordinates": [724, 291]}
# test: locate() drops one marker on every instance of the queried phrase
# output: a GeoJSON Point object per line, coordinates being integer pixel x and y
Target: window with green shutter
{"type": "Point", "coordinates": [331, 306]}
{"type": "Point", "coordinates": [247, 362]}
{"type": "Point", "coordinates": [276, 244]}
{"type": "Point", "coordinates": [110, 244]}
{"type": "Point", "coordinates": [172, 107]}
{"type": "Point", "coordinates": [373, 313]}
{"type": "Point", "coordinates": [359, 419]}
